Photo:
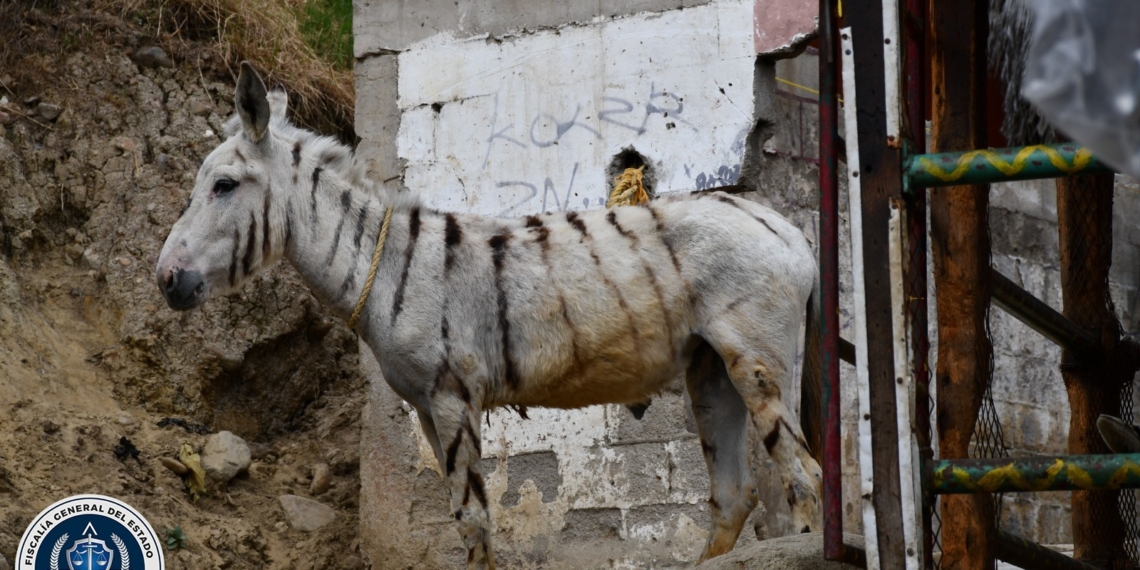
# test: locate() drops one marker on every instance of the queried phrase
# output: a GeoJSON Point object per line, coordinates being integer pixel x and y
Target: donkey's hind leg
{"type": "Point", "coordinates": [722, 424]}
{"type": "Point", "coordinates": [456, 419]}
{"type": "Point", "coordinates": [758, 364]}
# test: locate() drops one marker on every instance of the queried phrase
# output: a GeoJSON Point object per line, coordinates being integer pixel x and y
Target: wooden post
{"type": "Point", "coordinates": [879, 170]}
{"type": "Point", "coordinates": [1084, 218]}
{"type": "Point", "coordinates": [960, 238]}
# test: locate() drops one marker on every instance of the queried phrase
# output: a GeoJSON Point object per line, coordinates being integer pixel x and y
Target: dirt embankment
{"type": "Point", "coordinates": [98, 152]}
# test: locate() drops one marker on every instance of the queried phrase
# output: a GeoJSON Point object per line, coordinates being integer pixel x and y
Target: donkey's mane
{"type": "Point", "coordinates": [334, 157]}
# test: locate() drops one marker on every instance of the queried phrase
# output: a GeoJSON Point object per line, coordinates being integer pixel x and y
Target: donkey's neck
{"type": "Point", "coordinates": [332, 231]}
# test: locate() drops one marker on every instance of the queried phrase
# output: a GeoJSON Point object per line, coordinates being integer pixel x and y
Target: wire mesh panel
{"type": "Point", "coordinates": [1128, 497]}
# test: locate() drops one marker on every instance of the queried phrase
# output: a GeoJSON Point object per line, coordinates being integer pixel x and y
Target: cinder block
{"type": "Point", "coordinates": [541, 468]}
{"type": "Point", "coordinates": [688, 474]}
{"type": "Point", "coordinates": [592, 524]}
{"type": "Point", "coordinates": [1027, 237]}
{"type": "Point", "coordinates": [664, 420]}
{"type": "Point", "coordinates": [644, 467]}
{"type": "Point", "coordinates": [653, 515]}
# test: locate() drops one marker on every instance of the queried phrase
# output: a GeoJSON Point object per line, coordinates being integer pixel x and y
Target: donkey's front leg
{"type": "Point", "coordinates": [457, 423]}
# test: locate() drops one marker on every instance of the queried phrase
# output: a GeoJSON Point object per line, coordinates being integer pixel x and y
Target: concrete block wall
{"type": "Point", "coordinates": [594, 487]}
{"type": "Point", "coordinates": [518, 108]}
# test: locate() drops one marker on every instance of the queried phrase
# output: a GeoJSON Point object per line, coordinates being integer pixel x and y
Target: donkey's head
{"type": "Point", "coordinates": [229, 229]}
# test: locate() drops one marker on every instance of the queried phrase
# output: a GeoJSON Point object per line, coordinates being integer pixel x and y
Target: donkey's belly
{"type": "Point", "coordinates": [606, 378]}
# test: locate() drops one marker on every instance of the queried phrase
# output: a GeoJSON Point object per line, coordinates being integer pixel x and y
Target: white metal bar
{"type": "Point", "coordinates": [909, 493]}
{"type": "Point", "coordinates": [862, 375]}
{"type": "Point", "coordinates": [891, 66]}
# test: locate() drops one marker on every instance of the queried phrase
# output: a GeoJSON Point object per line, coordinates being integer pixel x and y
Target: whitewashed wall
{"type": "Point", "coordinates": [530, 123]}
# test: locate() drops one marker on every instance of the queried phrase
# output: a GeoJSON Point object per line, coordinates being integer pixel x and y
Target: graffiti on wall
{"type": "Point", "coordinates": [535, 123]}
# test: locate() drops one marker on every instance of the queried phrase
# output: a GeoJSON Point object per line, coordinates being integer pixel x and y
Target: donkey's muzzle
{"type": "Point", "coordinates": [183, 289]}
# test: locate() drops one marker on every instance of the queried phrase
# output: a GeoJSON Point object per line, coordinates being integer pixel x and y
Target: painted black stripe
{"type": "Point", "coordinates": [265, 244]}
{"type": "Point", "coordinates": [541, 237]}
{"type": "Point", "coordinates": [580, 225]}
{"type": "Point", "coordinates": [611, 217]}
{"type": "Point", "coordinates": [635, 245]}
{"type": "Point", "coordinates": [772, 437]}
{"type": "Point", "coordinates": [541, 234]}
{"type": "Point", "coordinates": [360, 226]}
{"type": "Point", "coordinates": [474, 439]}
{"type": "Point", "coordinates": [288, 223]}
{"type": "Point", "coordinates": [345, 205]}
{"type": "Point", "coordinates": [732, 201]}
{"type": "Point", "coordinates": [348, 284]}
{"type": "Point", "coordinates": [664, 237]}
{"type": "Point", "coordinates": [296, 154]}
{"type": "Point", "coordinates": [498, 245]}
{"type": "Point", "coordinates": [799, 440]}
{"type": "Point", "coordinates": [331, 155]}
{"type": "Point", "coordinates": [234, 257]}
{"type": "Point", "coordinates": [313, 194]}
{"type": "Point", "coordinates": [413, 235]}
{"type": "Point", "coordinates": [575, 351]}
{"type": "Point", "coordinates": [476, 481]}
{"type": "Point", "coordinates": [250, 246]}
{"type": "Point", "coordinates": [452, 236]}
{"type": "Point", "coordinates": [453, 449]}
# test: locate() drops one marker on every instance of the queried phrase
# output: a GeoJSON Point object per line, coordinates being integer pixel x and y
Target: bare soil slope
{"type": "Point", "coordinates": [98, 150]}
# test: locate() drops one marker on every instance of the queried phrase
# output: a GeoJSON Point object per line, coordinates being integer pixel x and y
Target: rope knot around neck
{"type": "Point", "coordinates": [371, 270]}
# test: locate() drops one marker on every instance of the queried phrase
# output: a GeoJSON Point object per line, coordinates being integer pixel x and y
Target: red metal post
{"type": "Point", "coordinates": [913, 27]}
{"type": "Point", "coordinates": [829, 278]}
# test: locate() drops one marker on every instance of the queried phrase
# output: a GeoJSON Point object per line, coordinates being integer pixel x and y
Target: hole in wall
{"type": "Point", "coordinates": [628, 157]}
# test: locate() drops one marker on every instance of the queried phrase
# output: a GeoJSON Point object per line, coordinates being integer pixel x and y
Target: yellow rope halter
{"type": "Point", "coordinates": [372, 270]}
{"type": "Point", "coordinates": [628, 189]}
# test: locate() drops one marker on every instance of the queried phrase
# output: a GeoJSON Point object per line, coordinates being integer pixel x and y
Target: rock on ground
{"type": "Point", "coordinates": [796, 552]}
{"type": "Point", "coordinates": [224, 456]}
{"type": "Point", "coordinates": [4, 563]}
{"type": "Point", "coordinates": [305, 514]}
{"type": "Point", "coordinates": [152, 57]}
{"type": "Point", "coordinates": [322, 479]}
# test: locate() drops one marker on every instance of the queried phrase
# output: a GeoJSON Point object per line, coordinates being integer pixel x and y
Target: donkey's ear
{"type": "Point", "coordinates": [251, 103]}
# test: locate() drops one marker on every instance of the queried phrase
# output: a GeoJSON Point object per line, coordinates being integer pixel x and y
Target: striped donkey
{"type": "Point", "coordinates": [468, 313]}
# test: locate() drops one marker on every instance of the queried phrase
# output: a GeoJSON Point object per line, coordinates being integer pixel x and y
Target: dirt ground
{"type": "Point", "coordinates": [98, 151]}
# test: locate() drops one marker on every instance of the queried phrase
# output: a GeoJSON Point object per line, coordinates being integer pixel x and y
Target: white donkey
{"type": "Point", "coordinates": [467, 313]}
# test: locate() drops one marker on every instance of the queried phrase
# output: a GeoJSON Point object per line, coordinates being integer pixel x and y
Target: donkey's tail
{"type": "Point", "coordinates": [811, 389]}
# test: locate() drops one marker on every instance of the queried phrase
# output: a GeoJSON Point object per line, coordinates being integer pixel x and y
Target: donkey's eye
{"type": "Point", "coordinates": [224, 186]}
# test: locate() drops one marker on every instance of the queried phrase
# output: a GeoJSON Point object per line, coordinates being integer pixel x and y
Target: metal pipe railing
{"type": "Point", "coordinates": [1026, 554]}
{"type": "Point", "coordinates": [829, 277]}
{"type": "Point", "coordinates": [1034, 474]}
{"type": "Point", "coordinates": [999, 165]}
{"type": "Point", "coordinates": [1040, 316]}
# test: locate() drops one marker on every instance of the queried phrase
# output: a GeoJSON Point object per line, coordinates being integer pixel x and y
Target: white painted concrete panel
{"type": "Point", "coordinates": [530, 123]}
